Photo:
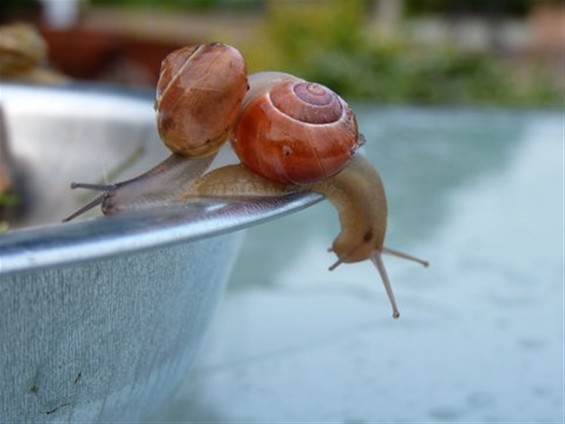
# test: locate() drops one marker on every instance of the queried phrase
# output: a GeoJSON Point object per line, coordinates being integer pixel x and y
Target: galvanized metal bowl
{"type": "Point", "coordinates": [101, 318]}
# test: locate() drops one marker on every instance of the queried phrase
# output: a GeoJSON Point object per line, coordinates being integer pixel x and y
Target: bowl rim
{"type": "Point", "coordinates": [61, 244]}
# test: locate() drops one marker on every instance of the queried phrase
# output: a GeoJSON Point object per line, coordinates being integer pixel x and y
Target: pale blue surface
{"type": "Point", "coordinates": [480, 339]}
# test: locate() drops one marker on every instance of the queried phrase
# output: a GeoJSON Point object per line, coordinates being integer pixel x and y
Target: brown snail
{"type": "Point", "coordinates": [267, 151]}
{"type": "Point", "coordinates": [199, 96]}
{"type": "Point", "coordinates": [24, 56]}
{"type": "Point", "coordinates": [290, 135]}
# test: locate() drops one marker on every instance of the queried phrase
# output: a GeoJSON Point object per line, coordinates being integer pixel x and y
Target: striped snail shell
{"type": "Point", "coordinates": [293, 131]}
{"type": "Point", "coordinates": [199, 96]}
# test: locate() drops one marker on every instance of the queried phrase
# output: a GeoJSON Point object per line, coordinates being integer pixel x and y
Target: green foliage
{"type": "Point", "coordinates": [316, 25]}
{"type": "Point", "coordinates": [326, 42]}
{"type": "Point", "coordinates": [179, 4]}
{"type": "Point", "coordinates": [7, 199]}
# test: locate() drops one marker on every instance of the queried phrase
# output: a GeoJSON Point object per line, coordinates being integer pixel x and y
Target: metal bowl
{"type": "Point", "coordinates": [100, 318]}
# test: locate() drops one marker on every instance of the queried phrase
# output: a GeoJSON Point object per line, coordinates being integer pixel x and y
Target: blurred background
{"type": "Point", "coordinates": [435, 51]}
{"type": "Point", "coordinates": [461, 102]}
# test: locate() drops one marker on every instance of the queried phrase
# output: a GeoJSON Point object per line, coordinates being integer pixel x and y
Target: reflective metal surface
{"type": "Point", "coordinates": [60, 135]}
{"type": "Point", "coordinates": [101, 318]}
{"type": "Point", "coordinates": [69, 243]}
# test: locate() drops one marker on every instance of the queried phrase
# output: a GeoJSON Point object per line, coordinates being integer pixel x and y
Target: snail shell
{"type": "Point", "coordinates": [293, 131]}
{"type": "Point", "coordinates": [22, 49]}
{"type": "Point", "coordinates": [199, 96]}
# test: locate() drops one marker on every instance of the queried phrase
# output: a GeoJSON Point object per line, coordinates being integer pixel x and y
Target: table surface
{"type": "Point", "coordinates": [479, 193]}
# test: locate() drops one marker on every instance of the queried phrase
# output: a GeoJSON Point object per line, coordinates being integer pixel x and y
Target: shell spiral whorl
{"type": "Point", "coordinates": [296, 132]}
{"type": "Point", "coordinates": [307, 102]}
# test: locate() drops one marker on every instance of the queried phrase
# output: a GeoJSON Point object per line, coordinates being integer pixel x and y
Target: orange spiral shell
{"type": "Point", "coordinates": [296, 132]}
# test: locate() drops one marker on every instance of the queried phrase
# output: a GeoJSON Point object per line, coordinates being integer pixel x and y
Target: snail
{"type": "Point", "coordinates": [199, 95]}
{"type": "Point", "coordinates": [295, 135]}
{"type": "Point", "coordinates": [290, 135]}
{"type": "Point", "coordinates": [24, 56]}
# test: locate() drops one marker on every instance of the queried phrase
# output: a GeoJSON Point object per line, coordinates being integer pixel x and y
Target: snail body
{"type": "Point", "coordinates": [271, 168]}
{"type": "Point", "coordinates": [356, 192]}
{"type": "Point", "coordinates": [290, 135]}
{"type": "Point", "coordinates": [22, 49]}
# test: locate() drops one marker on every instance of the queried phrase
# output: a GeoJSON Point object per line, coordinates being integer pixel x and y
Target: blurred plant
{"type": "Point", "coordinates": [180, 4]}
{"type": "Point", "coordinates": [8, 199]}
{"type": "Point", "coordinates": [317, 25]}
{"type": "Point", "coordinates": [326, 41]}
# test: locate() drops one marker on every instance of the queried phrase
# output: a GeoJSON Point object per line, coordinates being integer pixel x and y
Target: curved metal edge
{"type": "Point", "coordinates": [134, 102]}
{"type": "Point", "coordinates": [64, 244]}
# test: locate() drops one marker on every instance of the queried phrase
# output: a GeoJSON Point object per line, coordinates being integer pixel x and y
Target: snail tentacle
{"type": "Point", "coordinates": [403, 255]}
{"type": "Point", "coordinates": [160, 185]}
{"type": "Point", "coordinates": [377, 260]}
{"type": "Point", "coordinates": [97, 201]}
